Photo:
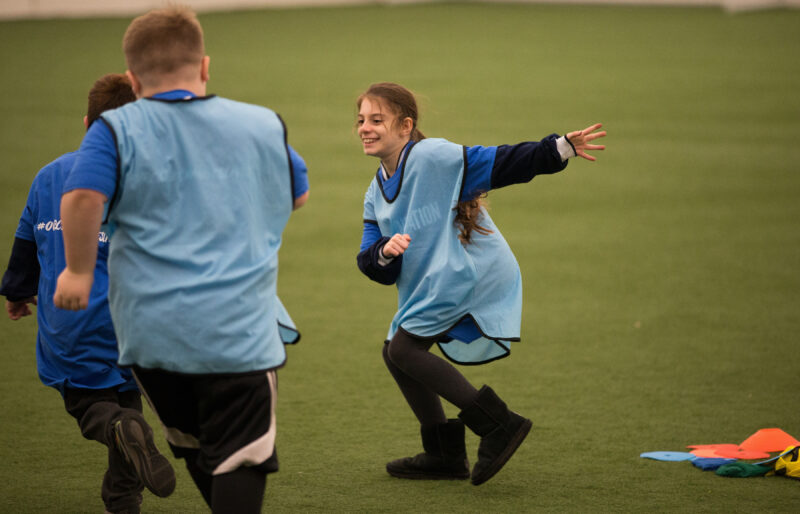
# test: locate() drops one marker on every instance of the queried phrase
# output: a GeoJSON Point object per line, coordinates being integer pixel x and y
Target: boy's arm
{"type": "Point", "coordinates": [300, 200]}
{"type": "Point", "coordinates": [20, 283]}
{"type": "Point", "coordinates": [81, 216]}
{"type": "Point", "coordinates": [300, 188]}
{"type": "Point", "coordinates": [92, 180]}
{"type": "Point", "coordinates": [19, 309]}
{"type": "Point", "coordinates": [21, 279]}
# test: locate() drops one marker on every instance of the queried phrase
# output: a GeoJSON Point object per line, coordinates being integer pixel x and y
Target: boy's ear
{"type": "Point", "coordinates": [135, 84]}
{"type": "Point", "coordinates": [204, 69]}
{"type": "Point", "coordinates": [86, 121]}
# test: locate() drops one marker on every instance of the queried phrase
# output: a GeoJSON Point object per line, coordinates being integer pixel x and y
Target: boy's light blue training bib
{"type": "Point", "coordinates": [204, 193]}
{"type": "Point", "coordinates": [442, 281]}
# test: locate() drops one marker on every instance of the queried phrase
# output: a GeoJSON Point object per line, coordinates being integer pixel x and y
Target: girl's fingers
{"type": "Point", "coordinates": [592, 128]}
{"type": "Point", "coordinates": [586, 133]}
{"type": "Point", "coordinates": [397, 245]}
{"type": "Point", "coordinates": [589, 137]}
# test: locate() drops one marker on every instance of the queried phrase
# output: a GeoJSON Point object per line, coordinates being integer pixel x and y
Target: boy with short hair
{"type": "Point", "coordinates": [199, 190]}
{"type": "Point", "coordinates": [77, 351]}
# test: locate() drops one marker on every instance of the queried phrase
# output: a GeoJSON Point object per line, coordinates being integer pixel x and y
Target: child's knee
{"type": "Point", "coordinates": [398, 353]}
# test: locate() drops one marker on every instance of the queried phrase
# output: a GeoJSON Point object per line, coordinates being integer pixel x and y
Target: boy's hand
{"type": "Point", "coordinates": [396, 246]}
{"type": "Point", "coordinates": [580, 141]}
{"type": "Point", "coordinates": [72, 290]}
{"type": "Point", "coordinates": [19, 309]}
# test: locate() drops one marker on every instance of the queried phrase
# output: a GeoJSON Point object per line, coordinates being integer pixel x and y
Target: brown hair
{"type": "Point", "coordinates": [397, 98]}
{"type": "Point", "coordinates": [162, 42]}
{"type": "Point", "coordinates": [403, 104]}
{"type": "Point", "coordinates": [108, 92]}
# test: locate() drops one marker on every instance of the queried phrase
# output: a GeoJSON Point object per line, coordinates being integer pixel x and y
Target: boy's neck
{"type": "Point", "coordinates": [190, 78]}
{"type": "Point", "coordinates": [198, 88]}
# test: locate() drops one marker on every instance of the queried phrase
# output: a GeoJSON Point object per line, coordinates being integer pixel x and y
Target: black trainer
{"type": "Point", "coordinates": [500, 429]}
{"type": "Point", "coordinates": [134, 439]}
{"type": "Point", "coordinates": [445, 456]}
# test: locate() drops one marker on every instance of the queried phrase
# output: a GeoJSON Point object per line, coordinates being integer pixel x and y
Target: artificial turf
{"type": "Point", "coordinates": [662, 287]}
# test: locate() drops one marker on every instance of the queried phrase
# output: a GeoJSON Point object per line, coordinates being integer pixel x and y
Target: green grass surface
{"type": "Point", "coordinates": [662, 288]}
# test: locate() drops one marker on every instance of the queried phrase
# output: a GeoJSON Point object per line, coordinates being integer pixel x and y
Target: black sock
{"type": "Point", "coordinates": [239, 492]}
{"type": "Point", "coordinates": [201, 479]}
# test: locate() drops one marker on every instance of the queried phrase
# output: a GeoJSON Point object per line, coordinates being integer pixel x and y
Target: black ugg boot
{"type": "Point", "coordinates": [445, 456]}
{"type": "Point", "coordinates": [500, 429]}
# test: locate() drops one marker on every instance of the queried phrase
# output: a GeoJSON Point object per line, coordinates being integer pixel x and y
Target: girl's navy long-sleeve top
{"type": "Point", "coordinates": [486, 168]}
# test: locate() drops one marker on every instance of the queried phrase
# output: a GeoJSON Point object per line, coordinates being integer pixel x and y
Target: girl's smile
{"type": "Point", "coordinates": [382, 134]}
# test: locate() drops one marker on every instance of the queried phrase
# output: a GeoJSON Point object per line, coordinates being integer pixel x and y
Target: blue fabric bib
{"type": "Point", "coordinates": [442, 281]}
{"type": "Point", "coordinates": [204, 194]}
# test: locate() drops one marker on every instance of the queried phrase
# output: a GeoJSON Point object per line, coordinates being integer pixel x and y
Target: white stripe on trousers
{"type": "Point", "coordinates": [262, 448]}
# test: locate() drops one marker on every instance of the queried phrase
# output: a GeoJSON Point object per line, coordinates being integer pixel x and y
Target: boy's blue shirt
{"type": "Point", "coordinates": [73, 349]}
{"type": "Point", "coordinates": [98, 157]}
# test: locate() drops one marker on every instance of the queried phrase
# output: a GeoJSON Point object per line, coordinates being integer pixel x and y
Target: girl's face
{"type": "Point", "coordinates": [381, 134]}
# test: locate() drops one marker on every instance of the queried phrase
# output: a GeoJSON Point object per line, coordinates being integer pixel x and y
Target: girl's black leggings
{"type": "Point", "coordinates": [424, 378]}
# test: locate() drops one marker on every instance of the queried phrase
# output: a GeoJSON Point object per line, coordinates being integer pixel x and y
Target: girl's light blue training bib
{"type": "Point", "coordinates": [442, 281]}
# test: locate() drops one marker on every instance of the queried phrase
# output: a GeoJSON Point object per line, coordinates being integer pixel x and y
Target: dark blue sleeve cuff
{"type": "Point", "coordinates": [368, 264]}
{"type": "Point", "coordinates": [517, 164]}
{"type": "Point", "coordinates": [21, 279]}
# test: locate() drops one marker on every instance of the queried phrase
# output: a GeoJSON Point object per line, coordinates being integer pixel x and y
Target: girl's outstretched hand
{"type": "Point", "coordinates": [580, 140]}
{"type": "Point", "coordinates": [396, 245]}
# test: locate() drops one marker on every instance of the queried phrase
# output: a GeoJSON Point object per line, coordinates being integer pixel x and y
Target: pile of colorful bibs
{"type": "Point", "coordinates": [726, 459]}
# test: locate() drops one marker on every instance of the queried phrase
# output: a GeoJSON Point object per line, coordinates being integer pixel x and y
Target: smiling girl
{"type": "Point", "coordinates": [459, 285]}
